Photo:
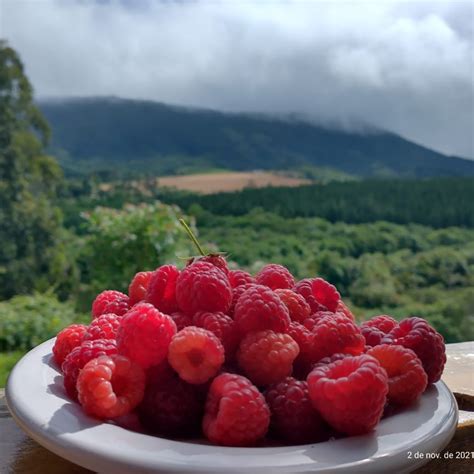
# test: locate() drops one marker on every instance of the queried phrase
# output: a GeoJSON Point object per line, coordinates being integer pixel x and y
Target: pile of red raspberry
{"type": "Point", "coordinates": [240, 359]}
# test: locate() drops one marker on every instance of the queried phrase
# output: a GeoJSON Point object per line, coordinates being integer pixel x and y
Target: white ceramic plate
{"type": "Point", "coordinates": [37, 400]}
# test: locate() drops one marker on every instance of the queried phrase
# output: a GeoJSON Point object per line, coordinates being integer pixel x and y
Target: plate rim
{"type": "Point", "coordinates": [70, 448]}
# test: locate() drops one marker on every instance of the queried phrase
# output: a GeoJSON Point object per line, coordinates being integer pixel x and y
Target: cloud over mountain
{"type": "Point", "coordinates": [404, 66]}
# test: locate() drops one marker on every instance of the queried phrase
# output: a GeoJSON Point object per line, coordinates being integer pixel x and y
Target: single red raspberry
{"type": "Point", "coordinates": [342, 308]}
{"type": "Point", "coordinates": [67, 340]}
{"type": "Point", "coordinates": [215, 259]}
{"type": "Point", "coordinates": [319, 294]}
{"type": "Point", "coordinates": [161, 292]}
{"type": "Point", "coordinates": [375, 329]}
{"type": "Point", "coordinates": [171, 407]}
{"type": "Point", "coordinates": [138, 287]}
{"type": "Point", "coordinates": [110, 386]}
{"type": "Point", "coordinates": [79, 357]}
{"type": "Point", "coordinates": [297, 307]}
{"type": "Point", "coordinates": [331, 359]}
{"type": "Point", "coordinates": [383, 322]}
{"type": "Point", "coordinates": [335, 333]}
{"type": "Point", "coordinates": [110, 301]}
{"type": "Point", "coordinates": [259, 308]}
{"type": "Point", "coordinates": [304, 338]}
{"type": "Point", "coordinates": [237, 292]}
{"type": "Point", "coordinates": [103, 327]}
{"type": "Point", "coordinates": [239, 277]}
{"type": "Point", "coordinates": [196, 354]}
{"type": "Point", "coordinates": [294, 418]}
{"type": "Point", "coordinates": [407, 379]}
{"type": "Point", "coordinates": [236, 413]}
{"type": "Point", "coordinates": [267, 357]}
{"type": "Point", "coordinates": [424, 340]}
{"type": "Point", "coordinates": [314, 319]}
{"type": "Point", "coordinates": [275, 276]}
{"type": "Point", "coordinates": [181, 320]}
{"type": "Point", "coordinates": [222, 326]}
{"type": "Point", "coordinates": [203, 287]}
{"type": "Point", "coordinates": [350, 393]}
{"type": "Point", "coordinates": [145, 334]}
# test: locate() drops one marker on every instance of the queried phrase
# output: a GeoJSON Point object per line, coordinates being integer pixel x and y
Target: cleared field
{"type": "Point", "coordinates": [208, 183]}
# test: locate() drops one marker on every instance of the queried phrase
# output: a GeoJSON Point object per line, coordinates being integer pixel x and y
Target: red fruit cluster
{"type": "Point", "coordinates": [235, 357]}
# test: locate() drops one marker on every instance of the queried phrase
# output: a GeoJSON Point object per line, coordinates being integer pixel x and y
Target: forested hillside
{"type": "Point", "coordinates": [141, 137]}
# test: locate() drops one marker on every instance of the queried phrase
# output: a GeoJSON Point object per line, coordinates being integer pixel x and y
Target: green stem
{"type": "Point", "coordinates": [192, 237]}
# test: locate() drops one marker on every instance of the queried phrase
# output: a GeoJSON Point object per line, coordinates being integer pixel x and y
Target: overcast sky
{"type": "Point", "coordinates": [404, 66]}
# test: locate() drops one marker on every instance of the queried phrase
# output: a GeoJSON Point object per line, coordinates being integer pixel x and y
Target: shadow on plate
{"type": "Point", "coordinates": [57, 388]}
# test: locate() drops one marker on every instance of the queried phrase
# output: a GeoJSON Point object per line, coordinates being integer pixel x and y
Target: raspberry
{"type": "Point", "coordinates": [110, 386]}
{"type": "Point", "coordinates": [335, 333]}
{"type": "Point", "coordinates": [203, 287]}
{"type": "Point", "coordinates": [79, 357]}
{"type": "Point", "coordinates": [161, 292]}
{"type": "Point", "coordinates": [236, 413]}
{"type": "Point", "coordinates": [181, 320]}
{"type": "Point", "coordinates": [103, 327]}
{"type": "Point", "coordinates": [275, 276]}
{"type": "Point", "coordinates": [260, 308]}
{"type": "Point", "coordinates": [196, 354]}
{"type": "Point", "coordinates": [110, 301]}
{"type": "Point", "coordinates": [331, 359]}
{"type": "Point", "coordinates": [237, 292]}
{"type": "Point", "coordinates": [145, 334]}
{"type": "Point", "coordinates": [267, 357]}
{"type": "Point", "coordinates": [319, 294]}
{"type": "Point", "coordinates": [297, 307]}
{"type": "Point", "coordinates": [342, 308]}
{"type": "Point", "coordinates": [407, 379]}
{"type": "Point", "coordinates": [383, 322]}
{"type": "Point", "coordinates": [214, 259]}
{"type": "Point", "coordinates": [294, 418]}
{"type": "Point", "coordinates": [303, 337]}
{"type": "Point", "coordinates": [138, 287]}
{"type": "Point", "coordinates": [313, 320]}
{"type": "Point", "coordinates": [171, 407]}
{"type": "Point", "coordinates": [375, 329]}
{"type": "Point", "coordinates": [67, 340]}
{"type": "Point", "coordinates": [416, 334]}
{"type": "Point", "coordinates": [350, 393]}
{"type": "Point", "coordinates": [222, 326]}
{"type": "Point", "coordinates": [239, 277]}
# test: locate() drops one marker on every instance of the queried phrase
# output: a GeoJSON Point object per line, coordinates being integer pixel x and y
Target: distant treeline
{"type": "Point", "coordinates": [437, 203]}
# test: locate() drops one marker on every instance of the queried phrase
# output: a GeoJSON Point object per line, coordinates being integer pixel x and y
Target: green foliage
{"type": "Point", "coordinates": [147, 137]}
{"type": "Point", "coordinates": [30, 224]}
{"type": "Point", "coordinates": [441, 202]}
{"type": "Point", "coordinates": [7, 361]}
{"type": "Point", "coordinates": [119, 243]}
{"type": "Point", "coordinates": [26, 321]}
{"type": "Point", "coordinates": [323, 174]}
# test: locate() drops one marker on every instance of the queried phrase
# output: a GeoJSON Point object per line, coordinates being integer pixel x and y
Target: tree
{"type": "Point", "coordinates": [121, 242]}
{"type": "Point", "coordinates": [30, 224]}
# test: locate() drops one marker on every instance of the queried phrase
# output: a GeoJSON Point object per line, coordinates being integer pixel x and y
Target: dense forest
{"type": "Point", "coordinates": [402, 247]}
{"type": "Point", "coordinates": [140, 137]}
{"type": "Point", "coordinates": [438, 202]}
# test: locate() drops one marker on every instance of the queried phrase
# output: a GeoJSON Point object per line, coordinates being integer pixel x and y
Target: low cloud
{"type": "Point", "coordinates": [404, 66]}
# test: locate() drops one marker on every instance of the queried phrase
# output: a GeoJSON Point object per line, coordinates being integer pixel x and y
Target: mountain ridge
{"type": "Point", "coordinates": [111, 132]}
